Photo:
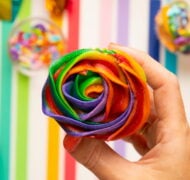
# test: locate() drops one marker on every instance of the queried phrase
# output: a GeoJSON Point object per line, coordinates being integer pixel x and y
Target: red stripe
{"type": "Point", "coordinates": [73, 22]}
{"type": "Point", "coordinates": [73, 43]}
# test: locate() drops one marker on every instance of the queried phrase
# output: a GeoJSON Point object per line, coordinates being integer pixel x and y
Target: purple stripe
{"type": "Point", "coordinates": [123, 22]}
{"type": "Point", "coordinates": [122, 38]}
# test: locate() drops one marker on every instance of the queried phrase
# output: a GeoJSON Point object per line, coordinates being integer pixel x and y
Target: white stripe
{"type": "Point", "coordinates": [184, 79]}
{"type": "Point", "coordinates": [89, 37]}
{"type": "Point", "coordinates": [61, 155]}
{"type": "Point", "coordinates": [138, 38]}
{"type": "Point", "coordinates": [107, 22]}
{"type": "Point", "coordinates": [65, 25]}
{"type": "Point", "coordinates": [138, 24]}
{"type": "Point", "coordinates": [37, 122]}
{"type": "Point", "coordinates": [83, 173]}
{"type": "Point", "coordinates": [13, 124]}
{"type": "Point", "coordinates": [37, 131]}
{"type": "Point", "coordinates": [38, 8]}
{"type": "Point", "coordinates": [114, 27]}
{"type": "Point", "coordinates": [162, 54]}
{"type": "Point", "coordinates": [132, 154]}
{"type": "Point", "coordinates": [89, 24]}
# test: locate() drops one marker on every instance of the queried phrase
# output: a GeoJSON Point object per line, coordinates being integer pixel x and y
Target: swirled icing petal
{"type": "Point", "coordinates": [97, 93]}
{"type": "Point", "coordinates": [84, 105]}
{"type": "Point", "coordinates": [173, 26]}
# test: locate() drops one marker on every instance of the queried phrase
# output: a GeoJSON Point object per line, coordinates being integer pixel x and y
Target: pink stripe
{"type": "Point", "coordinates": [106, 20]}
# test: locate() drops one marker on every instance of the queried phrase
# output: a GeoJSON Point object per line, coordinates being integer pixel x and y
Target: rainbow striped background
{"type": "Point", "coordinates": [30, 143]}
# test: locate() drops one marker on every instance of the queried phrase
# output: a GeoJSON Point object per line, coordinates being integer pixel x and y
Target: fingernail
{"type": "Point", "coordinates": [112, 44]}
{"type": "Point", "coordinates": [70, 143]}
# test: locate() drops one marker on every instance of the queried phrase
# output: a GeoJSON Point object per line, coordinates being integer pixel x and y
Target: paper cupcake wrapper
{"type": "Point", "coordinates": [97, 93]}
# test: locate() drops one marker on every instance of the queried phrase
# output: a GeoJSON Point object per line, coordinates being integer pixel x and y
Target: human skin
{"type": "Point", "coordinates": [164, 141]}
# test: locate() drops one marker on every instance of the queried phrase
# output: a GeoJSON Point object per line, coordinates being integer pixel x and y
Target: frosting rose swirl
{"type": "Point", "coordinates": [173, 26]}
{"type": "Point", "coordinates": [97, 93]}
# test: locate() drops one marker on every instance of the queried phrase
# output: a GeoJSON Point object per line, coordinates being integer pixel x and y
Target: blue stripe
{"type": "Point", "coordinates": [171, 62]}
{"type": "Point", "coordinates": [154, 45]}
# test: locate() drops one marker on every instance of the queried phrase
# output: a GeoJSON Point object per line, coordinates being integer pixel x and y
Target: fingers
{"type": "Point", "coordinates": [167, 97]}
{"type": "Point", "coordinates": [139, 143]}
{"type": "Point", "coordinates": [95, 155]}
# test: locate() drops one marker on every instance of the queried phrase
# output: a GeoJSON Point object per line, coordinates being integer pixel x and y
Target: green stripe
{"type": "Point", "coordinates": [171, 62]}
{"type": "Point", "coordinates": [22, 112]}
{"type": "Point", "coordinates": [22, 126]}
{"type": "Point", "coordinates": [24, 11]}
{"type": "Point", "coordinates": [5, 111]}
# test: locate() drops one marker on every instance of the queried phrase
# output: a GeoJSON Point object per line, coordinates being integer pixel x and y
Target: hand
{"type": "Point", "coordinates": [164, 142]}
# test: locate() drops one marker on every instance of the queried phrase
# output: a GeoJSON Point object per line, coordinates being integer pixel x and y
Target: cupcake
{"type": "Point", "coordinates": [97, 93]}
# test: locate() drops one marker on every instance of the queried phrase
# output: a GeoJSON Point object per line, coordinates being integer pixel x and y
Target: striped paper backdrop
{"type": "Point", "coordinates": [30, 143]}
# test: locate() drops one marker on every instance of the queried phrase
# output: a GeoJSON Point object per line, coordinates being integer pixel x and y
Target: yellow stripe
{"type": "Point", "coordinates": [53, 127]}
{"type": "Point", "coordinates": [53, 150]}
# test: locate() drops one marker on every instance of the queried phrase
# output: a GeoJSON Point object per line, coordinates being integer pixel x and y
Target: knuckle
{"type": "Point", "coordinates": [173, 80]}
{"type": "Point", "coordinates": [93, 158]}
{"type": "Point", "coordinates": [144, 54]}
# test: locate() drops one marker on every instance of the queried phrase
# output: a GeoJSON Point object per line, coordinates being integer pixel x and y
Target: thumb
{"type": "Point", "coordinates": [97, 156]}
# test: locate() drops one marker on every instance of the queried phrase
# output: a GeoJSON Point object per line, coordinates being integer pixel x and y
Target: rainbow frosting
{"type": "Point", "coordinates": [173, 26]}
{"type": "Point", "coordinates": [98, 93]}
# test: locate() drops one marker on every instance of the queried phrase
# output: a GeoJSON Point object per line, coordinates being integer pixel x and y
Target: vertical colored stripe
{"type": "Point", "coordinates": [106, 21]}
{"type": "Point", "coordinates": [138, 25]}
{"type": "Point", "coordinates": [170, 59]}
{"type": "Point", "coordinates": [123, 21]}
{"type": "Point", "coordinates": [53, 128]}
{"type": "Point", "coordinates": [89, 35]}
{"type": "Point", "coordinates": [73, 25]}
{"type": "Point", "coordinates": [138, 38]}
{"type": "Point", "coordinates": [73, 43]}
{"type": "Point", "coordinates": [22, 127]}
{"type": "Point", "coordinates": [24, 10]}
{"type": "Point", "coordinates": [154, 45]}
{"type": "Point", "coordinates": [184, 79]}
{"type": "Point", "coordinates": [171, 62]}
{"type": "Point", "coordinates": [38, 142]}
{"type": "Point", "coordinates": [53, 150]}
{"type": "Point", "coordinates": [122, 38]}
{"type": "Point", "coordinates": [22, 112]}
{"type": "Point", "coordinates": [15, 8]}
{"type": "Point", "coordinates": [5, 111]}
